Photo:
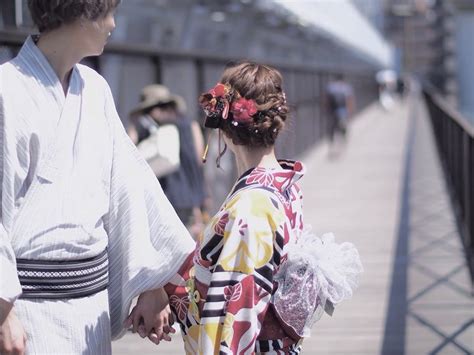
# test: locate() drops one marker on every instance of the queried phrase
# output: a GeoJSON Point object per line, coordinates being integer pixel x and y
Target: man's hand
{"type": "Point", "coordinates": [151, 317]}
{"type": "Point", "coordinates": [12, 335]}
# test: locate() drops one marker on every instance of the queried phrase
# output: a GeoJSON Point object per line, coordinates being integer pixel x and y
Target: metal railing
{"type": "Point", "coordinates": [455, 141]}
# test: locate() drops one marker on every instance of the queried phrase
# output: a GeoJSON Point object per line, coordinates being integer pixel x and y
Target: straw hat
{"type": "Point", "coordinates": [153, 95]}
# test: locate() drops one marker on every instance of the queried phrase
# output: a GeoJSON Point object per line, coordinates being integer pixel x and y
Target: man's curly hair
{"type": "Point", "coordinates": [48, 15]}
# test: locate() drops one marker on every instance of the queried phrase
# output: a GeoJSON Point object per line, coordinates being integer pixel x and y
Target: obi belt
{"type": "Point", "coordinates": [58, 279]}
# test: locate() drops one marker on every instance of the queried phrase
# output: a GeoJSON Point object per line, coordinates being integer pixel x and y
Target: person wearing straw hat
{"type": "Point", "coordinates": [186, 187]}
{"type": "Point", "coordinates": [154, 130]}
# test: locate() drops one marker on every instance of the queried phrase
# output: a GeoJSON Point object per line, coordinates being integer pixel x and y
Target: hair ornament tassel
{"type": "Point", "coordinates": [221, 152]}
{"type": "Point", "coordinates": [206, 149]}
{"type": "Point", "coordinates": [225, 110]}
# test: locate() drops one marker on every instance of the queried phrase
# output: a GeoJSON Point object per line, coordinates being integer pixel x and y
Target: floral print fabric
{"type": "Point", "coordinates": [222, 295]}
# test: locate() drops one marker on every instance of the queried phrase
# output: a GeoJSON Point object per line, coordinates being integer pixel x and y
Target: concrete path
{"type": "Point", "coordinates": [384, 191]}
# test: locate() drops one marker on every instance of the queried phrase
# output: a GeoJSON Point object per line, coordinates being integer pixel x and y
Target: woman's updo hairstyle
{"type": "Point", "coordinates": [262, 85]}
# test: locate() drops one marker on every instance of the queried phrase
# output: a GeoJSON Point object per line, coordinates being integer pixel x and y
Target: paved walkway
{"type": "Point", "coordinates": [384, 191]}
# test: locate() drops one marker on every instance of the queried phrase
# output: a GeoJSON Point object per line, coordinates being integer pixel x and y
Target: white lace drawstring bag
{"type": "Point", "coordinates": [317, 275]}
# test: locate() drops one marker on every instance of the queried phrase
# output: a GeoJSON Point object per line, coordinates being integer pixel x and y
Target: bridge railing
{"type": "Point", "coordinates": [455, 141]}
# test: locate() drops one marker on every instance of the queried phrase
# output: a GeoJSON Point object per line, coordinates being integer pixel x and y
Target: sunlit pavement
{"type": "Point", "coordinates": [383, 190]}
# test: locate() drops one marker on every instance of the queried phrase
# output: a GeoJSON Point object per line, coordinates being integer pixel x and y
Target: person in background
{"type": "Point", "coordinates": [186, 188]}
{"type": "Point", "coordinates": [340, 104]}
{"type": "Point", "coordinates": [84, 224]}
{"type": "Point", "coordinates": [154, 130]}
{"type": "Point", "coordinates": [387, 82]}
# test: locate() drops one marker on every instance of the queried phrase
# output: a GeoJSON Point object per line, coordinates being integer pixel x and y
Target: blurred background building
{"type": "Point", "coordinates": [464, 30]}
{"type": "Point", "coordinates": [434, 40]}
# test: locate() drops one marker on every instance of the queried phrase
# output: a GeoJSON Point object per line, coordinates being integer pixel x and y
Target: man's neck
{"type": "Point", "coordinates": [56, 47]}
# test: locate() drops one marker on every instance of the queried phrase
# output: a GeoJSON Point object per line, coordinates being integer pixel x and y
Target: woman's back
{"type": "Point", "coordinates": [230, 278]}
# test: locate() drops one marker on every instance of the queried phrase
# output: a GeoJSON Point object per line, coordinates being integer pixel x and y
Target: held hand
{"type": "Point", "coordinates": [167, 329]}
{"type": "Point", "coordinates": [12, 335]}
{"type": "Point", "coordinates": [151, 316]}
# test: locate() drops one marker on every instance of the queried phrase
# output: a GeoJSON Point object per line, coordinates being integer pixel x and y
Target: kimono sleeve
{"type": "Point", "coordinates": [147, 241]}
{"type": "Point", "coordinates": [242, 280]}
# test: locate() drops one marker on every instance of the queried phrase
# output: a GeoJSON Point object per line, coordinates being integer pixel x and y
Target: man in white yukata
{"type": "Point", "coordinates": [85, 226]}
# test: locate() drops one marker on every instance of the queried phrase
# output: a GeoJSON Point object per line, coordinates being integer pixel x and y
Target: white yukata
{"type": "Point", "coordinates": [72, 185]}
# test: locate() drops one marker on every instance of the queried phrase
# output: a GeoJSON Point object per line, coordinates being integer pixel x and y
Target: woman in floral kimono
{"type": "Point", "coordinates": [236, 293]}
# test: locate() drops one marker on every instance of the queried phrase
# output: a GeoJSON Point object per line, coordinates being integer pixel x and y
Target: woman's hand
{"type": "Point", "coordinates": [151, 317]}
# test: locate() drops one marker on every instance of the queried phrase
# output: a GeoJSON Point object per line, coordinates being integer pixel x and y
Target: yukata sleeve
{"type": "Point", "coordinates": [147, 241]}
{"type": "Point", "coordinates": [10, 288]}
{"type": "Point", "coordinates": [242, 279]}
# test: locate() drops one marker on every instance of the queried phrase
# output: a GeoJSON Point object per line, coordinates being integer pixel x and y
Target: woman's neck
{"type": "Point", "coordinates": [58, 48]}
{"type": "Point", "coordinates": [255, 157]}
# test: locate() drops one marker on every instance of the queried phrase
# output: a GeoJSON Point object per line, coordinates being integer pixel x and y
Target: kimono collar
{"type": "Point", "coordinates": [281, 180]}
{"type": "Point", "coordinates": [32, 62]}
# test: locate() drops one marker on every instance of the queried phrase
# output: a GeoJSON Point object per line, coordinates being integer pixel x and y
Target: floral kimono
{"type": "Point", "coordinates": [222, 296]}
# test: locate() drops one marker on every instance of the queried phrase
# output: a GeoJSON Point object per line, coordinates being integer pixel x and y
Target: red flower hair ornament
{"type": "Point", "coordinates": [219, 101]}
{"type": "Point", "coordinates": [243, 110]}
{"type": "Point", "coordinates": [219, 90]}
